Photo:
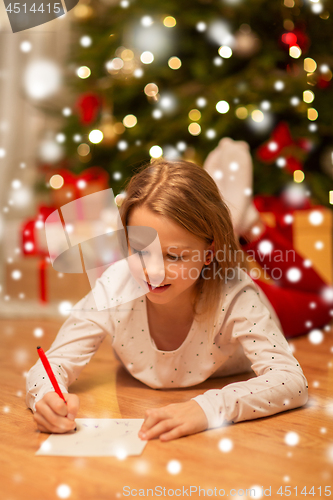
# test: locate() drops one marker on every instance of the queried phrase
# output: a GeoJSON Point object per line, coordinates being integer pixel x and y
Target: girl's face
{"type": "Point", "coordinates": [182, 259]}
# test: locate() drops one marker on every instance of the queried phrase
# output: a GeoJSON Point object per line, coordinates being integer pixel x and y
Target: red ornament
{"type": "Point", "coordinates": [295, 37]}
{"type": "Point", "coordinates": [88, 106]}
{"type": "Point", "coordinates": [281, 143]}
{"type": "Point", "coordinates": [289, 38]}
{"type": "Point", "coordinates": [293, 164]}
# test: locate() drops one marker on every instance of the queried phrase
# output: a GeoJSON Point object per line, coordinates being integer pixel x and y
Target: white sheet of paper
{"type": "Point", "coordinates": [97, 437]}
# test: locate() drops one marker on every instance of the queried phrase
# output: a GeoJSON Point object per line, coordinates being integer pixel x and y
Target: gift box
{"type": "Point", "coordinates": [308, 229]}
{"type": "Point", "coordinates": [33, 278]}
{"type": "Point", "coordinates": [32, 231]}
{"type": "Point", "coordinates": [91, 180]}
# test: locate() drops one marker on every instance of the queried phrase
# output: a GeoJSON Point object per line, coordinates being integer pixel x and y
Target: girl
{"type": "Point", "coordinates": [205, 316]}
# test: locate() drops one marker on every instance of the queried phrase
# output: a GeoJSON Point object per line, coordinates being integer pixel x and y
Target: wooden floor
{"type": "Point", "coordinates": [259, 457]}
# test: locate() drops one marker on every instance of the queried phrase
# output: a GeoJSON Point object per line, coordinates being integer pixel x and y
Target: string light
{"type": "Point", "coordinates": [169, 22]}
{"type": "Point", "coordinates": [96, 136]}
{"type": "Point", "coordinates": [257, 116]}
{"type": "Point", "coordinates": [83, 149]}
{"type": "Point", "coordinates": [156, 151]}
{"type": "Point", "coordinates": [130, 121]}
{"type": "Point", "coordinates": [225, 51]}
{"type": "Point", "coordinates": [83, 11]}
{"type": "Point", "coordinates": [127, 55]}
{"type": "Point", "coordinates": [312, 114]}
{"type": "Point", "coordinates": [56, 181]}
{"type": "Point", "coordinates": [118, 128]}
{"type": "Point", "coordinates": [194, 115]}
{"type": "Point", "coordinates": [115, 64]}
{"type": "Point", "coordinates": [147, 57]}
{"type": "Point", "coordinates": [308, 96]}
{"type": "Point", "coordinates": [194, 128]}
{"type": "Point", "coordinates": [299, 176]}
{"type": "Point", "coordinates": [310, 65]}
{"type": "Point", "coordinates": [201, 26]}
{"type": "Point", "coordinates": [83, 72]}
{"type": "Point", "coordinates": [295, 51]}
{"type": "Point", "coordinates": [241, 113]}
{"type": "Point", "coordinates": [174, 63]}
{"type": "Point", "coordinates": [222, 107]}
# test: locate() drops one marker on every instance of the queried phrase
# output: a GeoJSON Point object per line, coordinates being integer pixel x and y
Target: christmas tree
{"type": "Point", "coordinates": [147, 78]}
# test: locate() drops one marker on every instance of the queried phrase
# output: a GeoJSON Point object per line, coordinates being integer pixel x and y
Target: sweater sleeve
{"type": "Point", "coordinates": [280, 383]}
{"type": "Point", "coordinates": [75, 344]}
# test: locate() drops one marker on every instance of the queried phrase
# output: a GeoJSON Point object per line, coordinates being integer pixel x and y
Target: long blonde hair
{"type": "Point", "coordinates": [186, 194]}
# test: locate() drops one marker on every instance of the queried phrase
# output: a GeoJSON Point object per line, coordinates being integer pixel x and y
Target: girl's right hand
{"type": "Point", "coordinates": [54, 415]}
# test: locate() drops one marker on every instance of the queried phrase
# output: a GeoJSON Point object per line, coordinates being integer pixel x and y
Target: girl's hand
{"type": "Point", "coordinates": [53, 415]}
{"type": "Point", "coordinates": [173, 421]}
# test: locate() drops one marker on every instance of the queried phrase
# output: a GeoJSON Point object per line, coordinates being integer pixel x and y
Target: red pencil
{"type": "Point", "coordinates": [50, 373]}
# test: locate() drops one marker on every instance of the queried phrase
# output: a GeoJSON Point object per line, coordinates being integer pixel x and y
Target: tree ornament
{"type": "Point", "coordinates": [88, 106]}
{"type": "Point", "coordinates": [295, 37]}
{"type": "Point", "coordinates": [281, 144]}
{"type": "Point", "coordinates": [246, 42]}
{"type": "Point", "coordinates": [107, 127]}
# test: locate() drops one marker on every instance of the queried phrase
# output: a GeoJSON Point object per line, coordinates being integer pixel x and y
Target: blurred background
{"type": "Point", "coordinates": [88, 97]}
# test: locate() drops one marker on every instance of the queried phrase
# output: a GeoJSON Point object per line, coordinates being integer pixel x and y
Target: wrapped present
{"type": "Point", "coordinates": [60, 248]}
{"type": "Point", "coordinates": [90, 181]}
{"type": "Point", "coordinates": [308, 228]}
{"type": "Point", "coordinates": [32, 231]}
{"type": "Point", "coordinates": [33, 278]}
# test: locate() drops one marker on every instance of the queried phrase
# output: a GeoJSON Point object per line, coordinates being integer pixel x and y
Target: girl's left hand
{"type": "Point", "coordinates": [173, 421]}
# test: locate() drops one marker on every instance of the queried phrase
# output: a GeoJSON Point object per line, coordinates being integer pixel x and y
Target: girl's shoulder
{"type": "Point", "coordinates": [242, 294]}
{"type": "Point", "coordinates": [116, 286]}
{"type": "Point", "coordinates": [236, 280]}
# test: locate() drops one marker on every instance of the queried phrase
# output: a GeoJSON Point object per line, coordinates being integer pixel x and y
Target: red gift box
{"type": "Point", "coordinates": [90, 181]}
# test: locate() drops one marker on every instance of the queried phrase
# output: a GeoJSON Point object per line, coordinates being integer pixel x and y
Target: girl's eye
{"type": "Point", "coordinates": [172, 257]}
{"type": "Point", "coordinates": [175, 257]}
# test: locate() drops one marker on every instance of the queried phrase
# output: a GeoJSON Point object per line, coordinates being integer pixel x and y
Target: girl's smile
{"type": "Point", "coordinates": [170, 279]}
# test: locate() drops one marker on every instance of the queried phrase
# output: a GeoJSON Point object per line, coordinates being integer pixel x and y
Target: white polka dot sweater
{"type": "Point", "coordinates": [247, 338]}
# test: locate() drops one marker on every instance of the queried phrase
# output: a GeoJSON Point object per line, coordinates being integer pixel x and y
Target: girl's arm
{"type": "Point", "coordinates": [280, 383]}
{"type": "Point", "coordinates": [76, 342]}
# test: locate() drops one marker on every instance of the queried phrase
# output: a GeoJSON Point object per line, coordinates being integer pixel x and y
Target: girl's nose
{"type": "Point", "coordinates": [155, 274]}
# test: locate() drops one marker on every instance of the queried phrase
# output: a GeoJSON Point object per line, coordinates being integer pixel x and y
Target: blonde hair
{"type": "Point", "coordinates": [186, 194]}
